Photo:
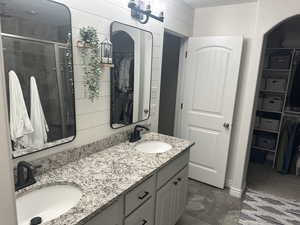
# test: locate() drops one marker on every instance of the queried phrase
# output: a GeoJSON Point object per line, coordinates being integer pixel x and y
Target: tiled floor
{"type": "Point", "coordinates": [210, 206]}
{"type": "Point", "coordinates": [263, 178]}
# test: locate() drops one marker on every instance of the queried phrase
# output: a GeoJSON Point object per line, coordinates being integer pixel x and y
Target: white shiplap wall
{"type": "Point", "coordinates": [93, 118]}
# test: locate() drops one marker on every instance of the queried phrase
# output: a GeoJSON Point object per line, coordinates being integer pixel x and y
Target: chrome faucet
{"type": "Point", "coordinates": [25, 176]}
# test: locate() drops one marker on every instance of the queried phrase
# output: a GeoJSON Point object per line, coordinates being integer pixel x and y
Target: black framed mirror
{"type": "Point", "coordinates": [131, 76]}
{"type": "Point", "coordinates": [38, 65]}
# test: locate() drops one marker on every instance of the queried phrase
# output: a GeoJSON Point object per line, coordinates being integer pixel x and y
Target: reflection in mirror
{"type": "Point", "coordinates": [37, 50]}
{"type": "Point", "coordinates": [131, 76]}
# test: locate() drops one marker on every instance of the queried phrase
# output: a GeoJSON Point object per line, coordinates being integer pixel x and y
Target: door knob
{"type": "Point", "coordinates": [226, 125]}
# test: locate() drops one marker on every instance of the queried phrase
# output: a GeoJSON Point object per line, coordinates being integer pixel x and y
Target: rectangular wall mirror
{"type": "Point", "coordinates": [38, 65]}
{"type": "Point", "coordinates": [131, 76]}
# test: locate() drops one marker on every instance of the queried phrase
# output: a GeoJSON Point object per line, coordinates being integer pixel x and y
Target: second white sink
{"type": "Point", "coordinates": [153, 147]}
{"type": "Point", "coordinates": [47, 203]}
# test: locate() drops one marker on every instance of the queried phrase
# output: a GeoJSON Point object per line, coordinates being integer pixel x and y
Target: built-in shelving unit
{"type": "Point", "coordinates": [273, 73]}
{"type": "Point", "coordinates": [268, 111]}
{"type": "Point", "coordinates": [273, 92]}
{"type": "Point", "coordinates": [266, 130]}
{"type": "Point", "coordinates": [263, 149]}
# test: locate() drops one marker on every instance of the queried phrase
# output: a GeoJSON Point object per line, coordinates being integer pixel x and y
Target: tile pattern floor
{"type": "Point", "coordinates": [265, 209]}
{"type": "Point", "coordinates": [210, 206]}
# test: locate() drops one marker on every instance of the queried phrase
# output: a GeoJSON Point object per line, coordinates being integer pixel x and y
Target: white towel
{"type": "Point", "coordinates": [20, 124]}
{"type": "Point", "coordinates": [39, 137]}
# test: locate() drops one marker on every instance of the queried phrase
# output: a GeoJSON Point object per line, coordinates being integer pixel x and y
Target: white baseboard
{"type": "Point", "coordinates": [236, 192]}
{"type": "Point", "coordinates": [233, 191]}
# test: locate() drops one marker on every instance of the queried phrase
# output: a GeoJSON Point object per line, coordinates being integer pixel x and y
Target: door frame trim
{"type": "Point", "coordinates": [7, 188]}
{"type": "Point", "coordinates": [180, 87]}
{"type": "Point", "coordinates": [180, 81]}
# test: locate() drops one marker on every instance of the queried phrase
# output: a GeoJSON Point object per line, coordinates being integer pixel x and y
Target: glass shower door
{"type": "Point", "coordinates": [33, 58]}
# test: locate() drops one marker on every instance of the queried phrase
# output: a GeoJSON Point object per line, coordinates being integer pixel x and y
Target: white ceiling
{"type": "Point", "coordinates": [207, 3]}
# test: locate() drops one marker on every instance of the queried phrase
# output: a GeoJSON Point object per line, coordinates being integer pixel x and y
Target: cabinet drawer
{"type": "Point", "coordinates": [139, 195]}
{"type": "Point", "coordinates": [172, 168]}
{"type": "Point", "coordinates": [143, 215]}
{"type": "Point", "coordinates": [112, 215]}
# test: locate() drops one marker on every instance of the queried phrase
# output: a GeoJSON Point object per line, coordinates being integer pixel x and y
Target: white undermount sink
{"type": "Point", "coordinates": [48, 203]}
{"type": "Point", "coordinates": [153, 147]}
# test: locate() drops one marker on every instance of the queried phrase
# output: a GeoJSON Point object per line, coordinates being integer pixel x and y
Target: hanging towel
{"type": "Point", "coordinates": [286, 148]}
{"type": "Point", "coordinates": [20, 124]}
{"type": "Point", "coordinates": [298, 164]}
{"type": "Point", "coordinates": [39, 137]}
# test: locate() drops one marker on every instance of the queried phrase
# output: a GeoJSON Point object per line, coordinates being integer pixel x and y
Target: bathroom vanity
{"type": "Point", "coordinates": [160, 199]}
{"type": "Point", "coordinates": [123, 185]}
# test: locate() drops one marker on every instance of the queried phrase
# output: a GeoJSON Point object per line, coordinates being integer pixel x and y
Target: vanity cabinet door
{"type": "Point", "coordinates": [113, 215]}
{"type": "Point", "coordinates": [180, 191]}
{"type": "Point", "coordinates": [171, 199]}
{"type": "Point", "coordinates": [163, 205]}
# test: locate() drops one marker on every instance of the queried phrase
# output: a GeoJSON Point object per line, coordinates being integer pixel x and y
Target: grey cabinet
{"type": "Point", "coordinates": [171, 199]}
{"type": "Point", "coordinates": [168, 171]}
{"type": "Point", "coordinates": [137, 206]}
{"type": "Point", "coordinates": [144, 215]}
{"type": "Point", "coordinates": [112, 215]}
{"type": "Point", "coordinates": [163, 205]}
{"type": "Point", "coordinates": [180, 193]}
{"type": "Point", "coordinates": [139, 195]}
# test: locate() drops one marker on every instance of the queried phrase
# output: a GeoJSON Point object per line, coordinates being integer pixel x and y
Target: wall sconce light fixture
{"type": "Point", "coordinates": [142, 13]}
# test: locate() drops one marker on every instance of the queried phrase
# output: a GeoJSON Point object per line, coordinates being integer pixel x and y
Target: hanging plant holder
{"type": "Point", "coordinates": [89, 45]}
{"type": "Point", "coordinates": [95, 56]}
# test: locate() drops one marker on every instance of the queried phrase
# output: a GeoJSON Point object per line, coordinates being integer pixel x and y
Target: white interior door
{"type": "Point", "coordinates": [209, 96]}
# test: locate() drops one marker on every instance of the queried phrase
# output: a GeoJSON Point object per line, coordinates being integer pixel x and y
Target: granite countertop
{"type": "Point", "coordinates": [104, 176]}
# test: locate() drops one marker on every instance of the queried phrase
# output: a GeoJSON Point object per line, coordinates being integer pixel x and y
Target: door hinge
{"type": "Point", "coordinates": [186, 54]}
{"type": "Point", "coordinates": [181, 106]}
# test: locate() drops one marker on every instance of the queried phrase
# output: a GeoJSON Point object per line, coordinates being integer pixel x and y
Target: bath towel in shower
{"type": "Point", "coordinates": [20, 124]}
{"type": "Point", "coordinates": [39, 137]}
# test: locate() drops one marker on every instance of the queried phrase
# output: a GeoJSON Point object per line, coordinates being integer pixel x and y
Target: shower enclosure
{"type": "Point", "coordinates": [46, 61]}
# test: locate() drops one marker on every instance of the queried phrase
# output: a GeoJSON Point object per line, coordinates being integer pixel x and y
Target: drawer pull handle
{"type": "Point", "coordinates": [144, 222]}
{"type": "Point", "coordinates": [146, 193]}
{"type": "Point", "coordinates": [175, 183]}
{"type": "Point", "coordinates": [179, 179]}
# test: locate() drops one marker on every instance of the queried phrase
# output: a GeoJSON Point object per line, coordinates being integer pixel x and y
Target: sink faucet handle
{"type": "Point", "coordinates": [140, 127]}
{"type": "Point", "coordinates": [25, 179]}
{"type": "Point", "coordinates": [136, 135]}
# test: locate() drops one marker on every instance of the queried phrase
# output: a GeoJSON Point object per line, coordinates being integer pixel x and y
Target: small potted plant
{"type": "Point", "coordinates": [89, 38]}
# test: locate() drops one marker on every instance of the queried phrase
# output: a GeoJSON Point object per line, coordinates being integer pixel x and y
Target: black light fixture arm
{"type": "Point", "coordinates": [141, 15]}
